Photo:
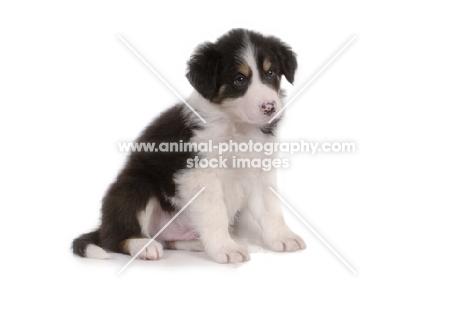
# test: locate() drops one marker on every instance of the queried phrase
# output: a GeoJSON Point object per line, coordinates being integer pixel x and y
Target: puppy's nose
{"type": "Point", "coordinates": [268, 108]}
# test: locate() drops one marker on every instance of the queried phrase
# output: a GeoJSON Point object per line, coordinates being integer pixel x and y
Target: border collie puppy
{"type": "Point", "coordinates": [236, 83]}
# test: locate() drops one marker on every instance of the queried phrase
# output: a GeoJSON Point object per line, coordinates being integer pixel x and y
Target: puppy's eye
{"type": "Point", "coordinates": [271, 73]}
{"type": "Point", "coordinates": [240, 80]}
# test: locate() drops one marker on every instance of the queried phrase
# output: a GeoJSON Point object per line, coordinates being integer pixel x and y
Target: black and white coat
{"type": "Point", "coordinates": [236, 84]}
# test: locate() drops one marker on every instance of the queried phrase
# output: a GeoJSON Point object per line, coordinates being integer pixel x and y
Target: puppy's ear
{"type": "Point", "coordinates": [287, 60]}
{"type": "Point", "coordinates": [203, 70]}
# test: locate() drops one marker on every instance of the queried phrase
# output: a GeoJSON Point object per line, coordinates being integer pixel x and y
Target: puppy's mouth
{"type": "Point", "coordinates": [262, 119]}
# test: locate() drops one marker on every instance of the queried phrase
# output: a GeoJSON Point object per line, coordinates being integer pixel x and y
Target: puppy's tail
{"type": "Point", "coordinates": [87, 245]}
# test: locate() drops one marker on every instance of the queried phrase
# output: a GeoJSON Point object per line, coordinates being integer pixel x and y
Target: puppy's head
{"type": "Point", "coordinates": [241, 72]}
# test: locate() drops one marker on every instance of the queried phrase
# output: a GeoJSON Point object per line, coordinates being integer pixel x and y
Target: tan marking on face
{"type": "Point", "coordinates": [266, 64]}
{"type": "Point", "coordinates": [219, 95]}
{"type": "Point", "coordinates": [244, 69]}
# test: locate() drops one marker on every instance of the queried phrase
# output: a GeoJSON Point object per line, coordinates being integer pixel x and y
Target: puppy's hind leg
{"type": "Point", "coordinates": [121, 230]}
{"type": "Point", "coordinates": [153, 250]}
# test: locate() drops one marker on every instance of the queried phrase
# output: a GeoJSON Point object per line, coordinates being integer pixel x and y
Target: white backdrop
{"type": "Point", "coordinates": [395, 209]}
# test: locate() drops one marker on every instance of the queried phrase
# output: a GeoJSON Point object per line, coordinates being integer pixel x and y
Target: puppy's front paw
{"type": "Point", "coordinates": [287, 242]}
{"type": "Point", "coordinates": [232, 253]}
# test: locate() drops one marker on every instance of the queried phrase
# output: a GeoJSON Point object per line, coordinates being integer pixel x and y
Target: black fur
{"type": "Point", "coordinates": [79, 244]}
{"type": "Point", "coordinates": [145, 174]}
{"type": "Point", "coordinates": [280, 54]}
{"type": "Point", "coordinates": [203, 70]}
